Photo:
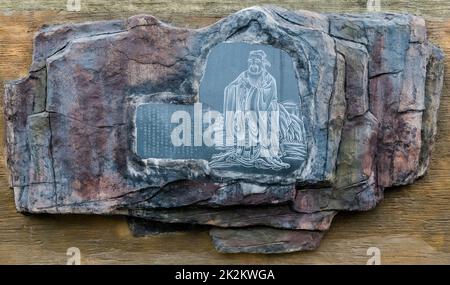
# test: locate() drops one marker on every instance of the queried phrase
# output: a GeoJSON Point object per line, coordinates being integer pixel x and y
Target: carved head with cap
{"type": "Point", "coordinates": [257, 62]}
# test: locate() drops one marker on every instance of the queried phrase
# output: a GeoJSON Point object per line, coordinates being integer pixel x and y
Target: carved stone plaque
{"type": "Point", "coordinates": [248, 120]}
{"type": "Point", "coordinates": [261, 126]}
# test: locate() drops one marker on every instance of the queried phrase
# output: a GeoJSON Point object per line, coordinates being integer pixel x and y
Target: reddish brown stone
{"type": "Point", "coordinates": [278, 217]}
{"type": "Point", "coordinates": [264, 240]}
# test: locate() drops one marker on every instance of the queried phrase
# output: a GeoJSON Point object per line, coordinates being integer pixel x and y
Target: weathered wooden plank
{"type": "Point", "coordinates": [412, 225]}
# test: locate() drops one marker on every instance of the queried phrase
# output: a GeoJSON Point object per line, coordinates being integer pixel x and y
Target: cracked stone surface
{"type": "Point", "coordinates": [369, 88]}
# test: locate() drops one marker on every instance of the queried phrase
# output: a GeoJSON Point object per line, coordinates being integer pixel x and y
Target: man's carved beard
{"type": "Point", "coordinates": [255, 70]}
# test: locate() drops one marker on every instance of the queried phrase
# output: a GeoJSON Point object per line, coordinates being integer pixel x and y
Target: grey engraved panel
{"type": "Point", "coordinates": [248, 118]}
{"type": "Point", "coordinates": [154, 128]}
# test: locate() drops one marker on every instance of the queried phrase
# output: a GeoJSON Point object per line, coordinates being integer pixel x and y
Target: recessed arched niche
{"type": "Point", "coordinates": [248, 118]}
{"type": "Point", "coordinates": [257, 84]}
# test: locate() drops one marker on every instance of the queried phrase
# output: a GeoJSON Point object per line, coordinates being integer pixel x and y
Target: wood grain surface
{"type": "Point", "coordinates": [412, 224]}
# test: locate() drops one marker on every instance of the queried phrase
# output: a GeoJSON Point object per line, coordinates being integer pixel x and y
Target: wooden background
{"type": "Point", "coordinates": [412, 225]}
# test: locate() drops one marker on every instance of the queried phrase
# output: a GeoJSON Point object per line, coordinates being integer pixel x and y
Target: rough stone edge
{"type": "Point", "coordinates": [433, 90]}
{"type": "Point", "coordinates": [264, 240]}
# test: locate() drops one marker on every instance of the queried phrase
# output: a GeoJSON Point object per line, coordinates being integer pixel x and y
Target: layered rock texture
{"type": "Point", "coordinates": [369, 84]}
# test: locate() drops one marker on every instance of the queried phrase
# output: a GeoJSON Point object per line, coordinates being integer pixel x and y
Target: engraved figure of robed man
{"type": "Point", "coordinates": [255, 123]}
